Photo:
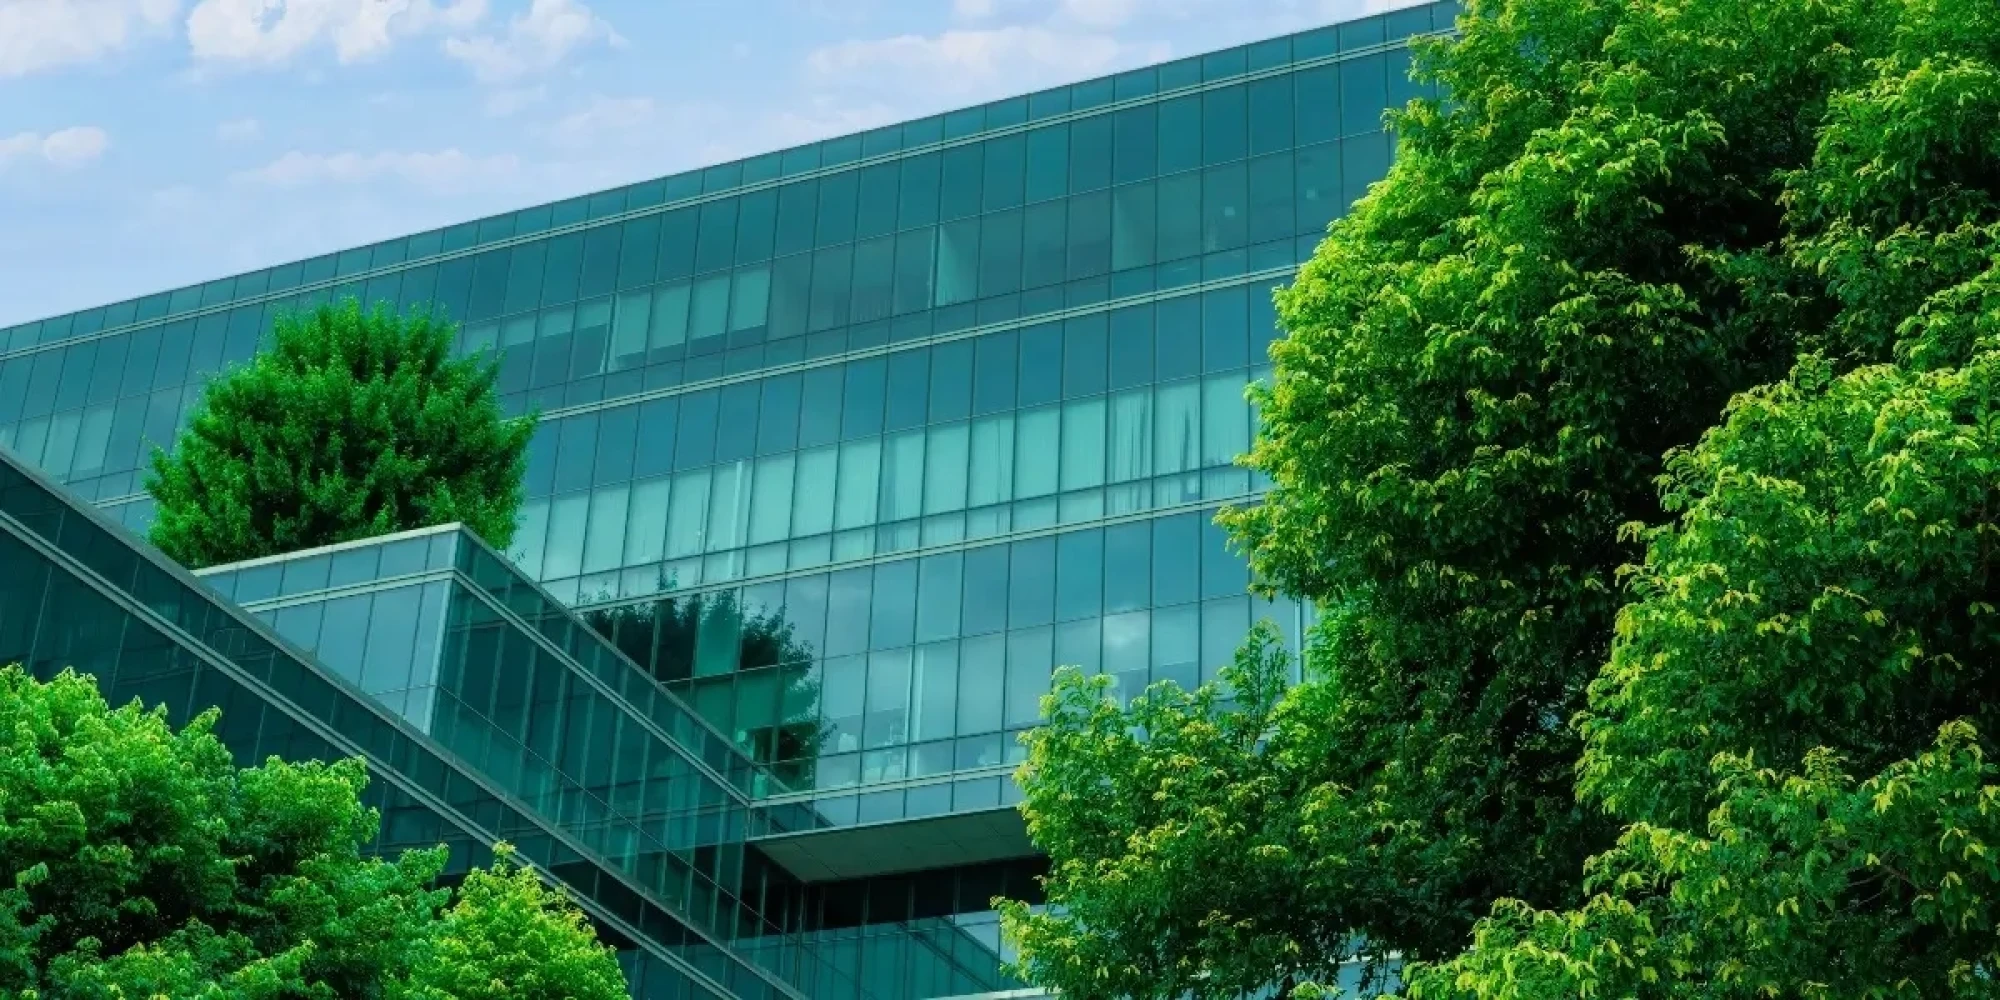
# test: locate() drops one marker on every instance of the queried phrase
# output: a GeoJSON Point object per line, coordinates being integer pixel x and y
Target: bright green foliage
{"type": "Point", "coordinates": [1174, 830]}
{"type": "Point", "coordinates": [140, 862]}
{"type": "Point", "coordinates": [350, 424]}
{"type": "Point", "coordinates": [1822, 606]}
{"type": "Point", "coordinates": [1635, 221]}
{"type": "Point", "coordinates": [1486, 363]}
{"type": "Point", "coordinates": [509, 937]}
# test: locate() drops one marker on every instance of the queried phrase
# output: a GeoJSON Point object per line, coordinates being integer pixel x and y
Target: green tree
{"type": "Point", "coordinates": [1796, 720]}
{"type": "Point", "coordinates": [139, 861]}
{"type": "Point", "coordinates": [1776, 748]}
{"type": "Point", "coordinates": [1152, 813]}
{"type": "Point", "coordinates": [509, 937]}
{"type": "Point", "coordinates": [350, 424]}
{"type": "Point", "coordinates": [1486, 362]}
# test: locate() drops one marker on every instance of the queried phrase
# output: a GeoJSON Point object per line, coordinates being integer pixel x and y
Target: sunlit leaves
{"type": "Point", "coordinates": [139, 861]}
{"type": "Point", "coordinates": [349, 424]}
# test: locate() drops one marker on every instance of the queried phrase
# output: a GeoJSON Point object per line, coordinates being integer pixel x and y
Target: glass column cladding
{"type": "Point", "coordinates": [438, 627]}
{"type": "Point", "coordinates": [79, 594]}
{"type": "Point", "coordinates": [1221, 168]}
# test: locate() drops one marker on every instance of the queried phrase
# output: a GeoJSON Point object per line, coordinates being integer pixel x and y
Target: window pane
{"type": "Point", "coordinates": [1225, 422]}
{"type": "Point", "coordinates": [771, 499]}
{"type": "Point", "coordinates": [812, 507]}
{"type": "Point", "coordinates": [670, 312]}
{"type": "Point", "coordinates": [860, 474]}
{"type": "Point", "coordinates": [918, 203]}
{"type": "Point", "coordinates": [1037, 455]}
{"type": "Point", "coordinates": [945, 470]}
{"type": "Point", "coordinates": [1134, 226]}
{"type": "Point", "coordinates": [939, 582]}
{"type": "Point", "coordinates": [687, 514]}
{"type": "Point", "coordinates": [1129, 440]}
{"type": "Point", "coordinates": [985, 606]}
{"type": "Point", "coordinates": [915, 258]}
{"type": "Point", "coordinates": [1180, 217]}
{"type": "Point", "coordinates": [567, 517]}
{"type": "Point", "coordinates": [750, 297]}
{"type": "Point", "coordinates": [893, 605]}
{"type": "Point", "coordinates": [1135, 139]}
{"type": "Point", "coordinates": [934, 692]}
{"type": "Point", "coordinates": [1079, 575]}
{"type": "Point", "coordinates": [951, 381]}
{"type": "Point", "coordinates": [1031, 594]}
{"type": "Point", "coordinates": [1176, 559]}
{"type": "Point", "coordinates": [604, 539]}
{"type": "Point", "coordinates": [1271, 115]}
{"type": "Point", "coordinates": [1128, 567]}
{"type": "Point", "coordinates": [1177, 427]}
{"type": "Point", "coordinates": [862, 398]}
{"type": "Point", "coordinates": [1224, 126]}
{"type": "Point", "coordinates": [628, 330]}
{"type": "Point", "coordinates": [1005, 163]}
{"type": "Point", "coordinates": [728, 507]}
{"type": "Point", "coordinates": [1364, 94]}
{"type": "Point", "coordinates": [1028, 669]}
{"type": "Point", "coordinates": [903, 476]}
{"type": "Point", "coordinates": [1083, 437]}
{"type": "Point", "coordinates": [958, 262]}
{"type": "Point", "coordinates": [646, 524]}
{"type": "Point", "coordinates": [1180, 134]}
{"type": "Point", "coordinates": [1048, 163]}
{"type": "Point", "coordinates": [1089, 153]}
{"type": "Point", "coordinates": [991, 477]}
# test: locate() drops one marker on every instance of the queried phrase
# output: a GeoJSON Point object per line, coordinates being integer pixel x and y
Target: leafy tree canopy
{"type": "Point", "coordinates": [141, 862]}
{"type": "Point", "coordinates": [1762, 770]}
{"type": "Point", "coordinates": [1797, 716]}
{"type": "Point", "coordinates": [350, 424]}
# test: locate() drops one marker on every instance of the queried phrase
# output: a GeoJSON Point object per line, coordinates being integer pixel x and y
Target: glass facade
{"type": "Point", "coordinates": [843, 449]}
{"type": "Point", "coordinates": [437, 627]}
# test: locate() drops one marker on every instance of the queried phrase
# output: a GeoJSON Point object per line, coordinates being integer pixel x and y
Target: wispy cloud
{"type": "Point", "coordinates": [444, 170]}
{"type": "Point", "coordinates": [75, 146]}
{"type": "Point", "coordinates": [974, 64]}
{"type": "Point", "coordinates": [239, 130]}
{"type": "Point", "coordinates": [535, 41]}
{"type": "Point", "coordinates": [38, 35]}
{"type": "Point", "coordinates": [273, 32]}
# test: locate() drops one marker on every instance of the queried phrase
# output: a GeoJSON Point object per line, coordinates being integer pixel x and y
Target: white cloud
{"type": "Point", "coordinates": [972, 8]}
{"type": "Point", "coordinates": [601, 118]}
{"type": "Point", "coordinates": [272, 32]}
{"type": "Point", "coordinates": [535, 41]}
{"type": "Point", "coordinates": [239, 130]}
{"type": "Point", "coordinates": [44, 34]}
{"type": "Point", "coordinates": [70, 147]}
{"type": "Point", "coordinates": [450, 170]}
{"type": "Point", "coordinates": [1100, 13]}
{"type": "Point", "coordinates": [975, 64]}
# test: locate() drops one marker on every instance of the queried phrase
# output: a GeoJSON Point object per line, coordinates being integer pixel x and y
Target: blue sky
{"type": "Point", "coordinates": [147, 144]}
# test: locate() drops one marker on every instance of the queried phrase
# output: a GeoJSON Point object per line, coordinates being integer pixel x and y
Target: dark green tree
{"type": "Point", "coordinates": [350, 423]}
{"type": "Point", "coordinates": [139, 861]}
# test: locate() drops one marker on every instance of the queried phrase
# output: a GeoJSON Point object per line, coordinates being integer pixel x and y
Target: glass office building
{"type": "Point", "coordinates": [843, 449]}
